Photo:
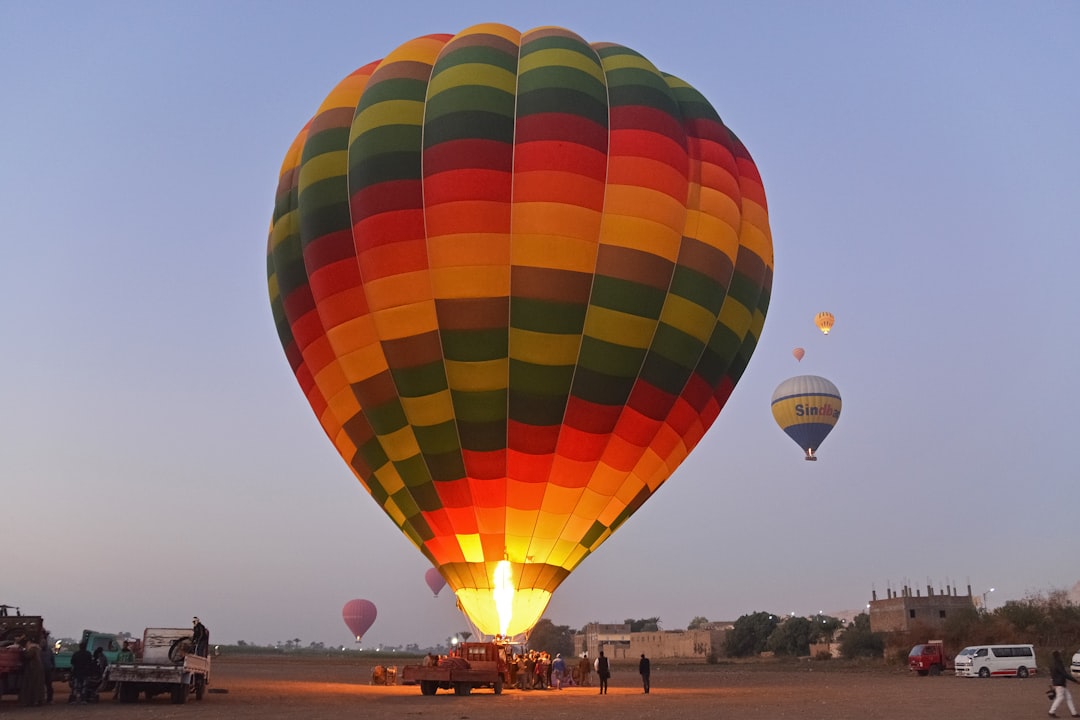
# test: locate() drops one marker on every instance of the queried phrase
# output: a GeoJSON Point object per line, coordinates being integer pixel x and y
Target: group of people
{"type": "Point", "coordinates": [35, 683]}
{"type": "Point", "coordinates": [537, 670]}
{"type": "Point", "coordinates": [87, 668]}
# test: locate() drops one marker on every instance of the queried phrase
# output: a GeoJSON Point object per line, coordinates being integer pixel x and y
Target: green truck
{"type": "Point", "coordinates": [110, 643]}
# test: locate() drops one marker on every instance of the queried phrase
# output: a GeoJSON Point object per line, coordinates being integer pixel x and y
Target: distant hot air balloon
{"type": "Point", "coordinates": [434, 580]}
{"type": "Point", "coordinates": [517, 277]}
{"type": "Point", "coordinates": [798, 353]}
{"type": "Point", "coordinates": [824, 321]}
{"type": "Point", "coordinates": [359, 615]}
{"type": "Point", "coordinates": [806, 407]}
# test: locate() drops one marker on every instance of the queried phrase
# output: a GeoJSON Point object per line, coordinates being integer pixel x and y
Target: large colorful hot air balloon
{"type": "Point", "coordinates": [517, 276]}
{"type": "Point", "coordinates": [824, 321]}
{"type": "Point", "coordinates": [359, 616]}
{"type": "Point", "coordinates": [434, 580]}
{"type": "Point", "coordinates": [806, 407]}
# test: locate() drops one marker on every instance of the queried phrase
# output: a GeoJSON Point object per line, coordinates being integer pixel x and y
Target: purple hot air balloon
{"type": "Point", "coordinates": [359, 615]}
{"type": "Point", "coordinates": [434, 580]}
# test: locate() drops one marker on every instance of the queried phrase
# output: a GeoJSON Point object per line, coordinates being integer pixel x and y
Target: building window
{"type": "Point", "coordinates": [911, 614]}
{"type": "Point", "coordinates": [941, 614]}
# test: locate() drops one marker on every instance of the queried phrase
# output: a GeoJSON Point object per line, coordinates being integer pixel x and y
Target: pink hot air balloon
{"type": "Point", "coordinates": [798, 353]}
{"type": "Point", "coordinates": [434, 580]}
{"type": "Point", "coordinates": [359, 615]}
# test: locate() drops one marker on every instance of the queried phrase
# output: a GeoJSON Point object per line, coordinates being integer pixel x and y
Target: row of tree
{"type": "Point", "coordinates": [1049, 621]}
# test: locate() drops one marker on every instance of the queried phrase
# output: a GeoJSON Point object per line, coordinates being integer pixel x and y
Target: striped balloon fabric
{"type": "Point", "coordinates": [517, 276]}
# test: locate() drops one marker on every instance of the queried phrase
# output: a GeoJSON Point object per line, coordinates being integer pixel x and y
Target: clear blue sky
{"type": "Point", "coordinates": [157, 459]}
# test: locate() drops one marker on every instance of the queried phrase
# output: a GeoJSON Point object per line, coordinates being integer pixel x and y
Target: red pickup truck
{"type": "Point", "coordinates": [930, 658]}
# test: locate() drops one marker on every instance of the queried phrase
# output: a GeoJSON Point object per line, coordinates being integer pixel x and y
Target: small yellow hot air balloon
{"type": "Point", "coordinates": [824, 321]}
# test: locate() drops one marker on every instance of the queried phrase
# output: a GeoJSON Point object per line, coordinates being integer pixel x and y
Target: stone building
{"type": "Point", "coordinates": [618, 643]}
{"type": "Point", "coordinates": [907, 608]}
{"type": "Point", "coordinates": [697, 644]}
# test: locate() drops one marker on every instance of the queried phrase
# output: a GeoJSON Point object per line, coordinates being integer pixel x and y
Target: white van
{"type": "Point", "coordinates": [996, 661]}
{"type": "Point", "coordinates": [1076, 665]}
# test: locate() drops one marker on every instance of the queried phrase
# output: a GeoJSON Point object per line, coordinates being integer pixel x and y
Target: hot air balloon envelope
{"type": "Point", "coordinates": [359, 615]}
{"type": "Point", "coordinates": [799, 353]}
{"type": "Point", "coordinates": [807, 408]}
{"type": "Point", "coordinates": [434, 580]}
{"type": "Point", "coordinates": [824, 321]}
{"type": "Point", "coordinates": [517, 276]}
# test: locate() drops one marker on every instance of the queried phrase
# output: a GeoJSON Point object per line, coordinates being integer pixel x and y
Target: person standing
{"type": "Point", "coordinates": [643, 668]}
{"type": "Point", "coordinates": [82, 668]}
{"type": "Point", "coordinates": [126, 654]}
{"type": "Point", "coordinates": [1059, 675]}
{"type": "Point", "coordinates": [584, 670]}
{"type": "Point", "coordinates": [558, 671]}
{"type": "Point", "coordinates": [603, 671]}
{"type": "Point", "coordinates": [200, 637]}
{"type": "Point", "coordinates": [32, 687]}
{"type": "Point", "coordinates": [48, 663]}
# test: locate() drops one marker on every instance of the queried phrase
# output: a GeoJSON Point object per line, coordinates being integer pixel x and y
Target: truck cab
{"type": "Point", "coordinates": [471, 665]}
{"type": "Point", "coordinates": [929, 658]}
{"type": "Point", "coordinates": [109, 643]}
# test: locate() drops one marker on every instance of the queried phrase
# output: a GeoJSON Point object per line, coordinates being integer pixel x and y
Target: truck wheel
{"type": "Point", "coordinates": [462, 688]}
{"type": "Point", "coordinates": [179, 693]}
{"type": "Point", "coordinates": [1021, 672]}
{"type": "Point", "coordinates": [498, 687]}
{"type": "Point", "coordinates": [935, 670]}
{"type": "Point", "coordinates": [428, 687]}
{"type": "Point", "coordinates": [200, 686]}
{"type": "Point", "coordinates": [984, 672]}
{"type": "Point", "coordinates": [127, 693]}
{"type": "Point", "coordinates": [922, 673]}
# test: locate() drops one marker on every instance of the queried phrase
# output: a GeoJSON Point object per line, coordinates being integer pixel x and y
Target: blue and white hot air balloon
{"type": "Point", "coordinates": [807, 408]}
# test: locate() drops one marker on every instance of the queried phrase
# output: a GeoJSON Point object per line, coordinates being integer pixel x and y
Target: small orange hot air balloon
{"type": "Point", "coordinates": [798, 353]}
{"type": "Point", "coordinates": [824, 321]}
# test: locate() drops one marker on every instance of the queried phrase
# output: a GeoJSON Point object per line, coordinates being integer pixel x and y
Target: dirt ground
{"type": "Point", "coordinates": [270, 687]}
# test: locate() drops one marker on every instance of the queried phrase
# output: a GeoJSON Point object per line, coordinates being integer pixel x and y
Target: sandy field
{"type": "Point", "coordinates": [270, 687]}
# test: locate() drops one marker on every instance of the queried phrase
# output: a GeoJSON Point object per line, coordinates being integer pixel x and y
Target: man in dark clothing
{"type": "Point", "coordinates": [603, 671]}
{"type": "Point", "coordinates": [200, 637]}
{"type": "Point", "coordinates": [643, 668]}
{"type": "Point", "coordinates": [82, 669]}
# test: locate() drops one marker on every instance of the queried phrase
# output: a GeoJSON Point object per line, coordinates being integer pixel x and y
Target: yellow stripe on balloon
{"type": "Point", "coordinates": [619, 328]}
{"type": "Point", "coordinates": [477, 376]}
{"type": "Point", "coordinates": [466, 74]}
{"type": "Point", "coordinates": [735, 316]}
{"type": "Point", "coordinates": [691, 318]}
{"type": "Point", "coordinates": [544, 348]}
{"type": "Point", "coordinates": [471, 548]}
{"type": "Point", "coordinates": [388, 112]}
{"type": "Point", "coordinates": [400, 444]}
{"type": "Point", "coordinates": [321, 167]}
{"type": "Point", "coordinates": [562, 58]}
{"type": "Point", "coordinates": [433, 409]}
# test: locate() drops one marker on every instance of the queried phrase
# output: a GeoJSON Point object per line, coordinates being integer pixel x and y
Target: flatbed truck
{"type": "Point", "coordinates": [168, 665]}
